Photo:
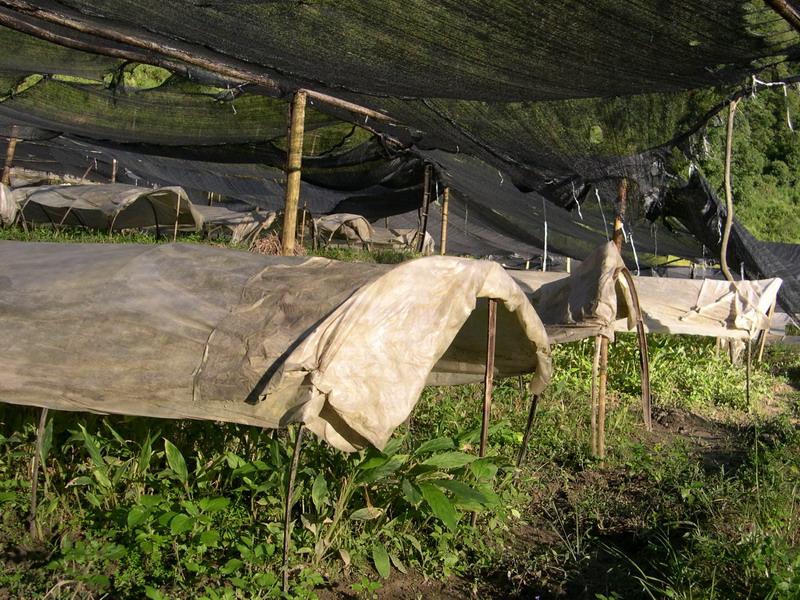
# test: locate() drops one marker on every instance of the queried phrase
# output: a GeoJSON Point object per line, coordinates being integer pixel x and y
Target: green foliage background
{"type": "Point", "coordinates": [765, 161]}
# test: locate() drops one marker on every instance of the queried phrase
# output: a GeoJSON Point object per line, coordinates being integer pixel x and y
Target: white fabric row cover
{"type": "Point", "coordinates": [241, 225]}
{"type": "Point", "coordinates": [8, 207]}
{"type": "Point", "coordinates": [107, 207]}
{"type": "Point", "coordinates": [594, 299]}
{"type": "Point", "coordinates": [356, 228]}
{"type": "Point", "coordinates": [116, 206]}
{"type": "Point", "coordinates": [188, 331]}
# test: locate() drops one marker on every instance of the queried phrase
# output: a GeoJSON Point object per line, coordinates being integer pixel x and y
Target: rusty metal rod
{"type": "Point", "coordinates": [287, 514]}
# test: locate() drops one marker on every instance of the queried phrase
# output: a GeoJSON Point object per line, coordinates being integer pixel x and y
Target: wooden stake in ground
{"type": "Point", "coordinates": [488, 380]}
{"type": "Point", "coordinates": [601, 398]}
{"type": "Point", "coordinates": [528, 429]}
{"type": "Point", "coordinates": [445, 209]}
{"type": "Point", "coordinates": [113, 170]}
{"type": "Point", "coordinates": [488, 377]}
{"type": "Point", "coordinates": [426, 204]}
{"type": "Point", "coordinates": [598, 342]}
{"type": "Point", "coordinates": [763, 335]}
{"type": "Point", "coordinates": [726, 232]}
{"type": "Point", "coordinates": [287, 514]}
{"type": "Point", "coordinates": [177, 219]}
{"type": "Point", "coordinates": [10, 149]}
{"type": "Point", "coordinates": [35, 472]}
{"type": "Point", "coordinates": [294, 157]}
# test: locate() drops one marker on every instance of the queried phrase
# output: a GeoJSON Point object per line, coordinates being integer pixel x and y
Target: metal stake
{"type": "Point", "coordinates": [528, 429]}
{"type": "Point", "coordinates": [35, 472]}
{"type": "Point", "coordinates": [287, 515]}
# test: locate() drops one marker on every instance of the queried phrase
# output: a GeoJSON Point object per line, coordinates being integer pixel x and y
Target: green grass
{"type": "Point", "coordinates": [134, 506]}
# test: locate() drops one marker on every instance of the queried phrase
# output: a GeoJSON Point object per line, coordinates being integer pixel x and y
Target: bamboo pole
{"type": "Point", "coordinates": [445, 209]}
{"type": "Point", "coordinates": [113, 170]}
{"type": "Point", "coordinates": [593, 402]}
{"type": "Point", "coordinates": [426, 204]}
{"type": "Point", "coordinates": [787, 11]}
{"type": "Point", "coordinates": [488, 382]}
{"type": "Point", "coordinates": [177, 218]}
{"type": "Point", "coordinates": [762, 342]}
{"type": "Point", "coordinates": [601, 403]}
{"type": "Point", "coordinates": [156, 47]}
{"type": "Point", "coordinates": [287, 514]}
{"type": "Point", "coordinates": [294, 158]}
{"type": "Point", "coordinates": [488, 377]}
{"type": "Point", "coordinates": [35, 472]}
{"type": "Point", "coordinates": [726, 233]}
{"type": "Point", "coordinates": [10, 150]}
{"type": "Point", "coordinates": [523, 449]}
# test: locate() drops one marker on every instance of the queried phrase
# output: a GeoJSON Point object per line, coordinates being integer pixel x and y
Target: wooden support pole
{"type": "Point", "coordinates": [445, 209]}
{"type": "Point", "coordinates": [488, 382]}
{"type": "Point", "coordinates": [593, 402]}
{"type": "Point", "coordinates": [763, 338]}
{"type": "Point", "coordinates": [747, 372]}
{"type": "Point", "coordinates": [523, 449]}
{"type": "Point", "coordinates": [10, 150]}
{"type": "Point", "coordinates": [177, 218]}
{"type": "Point", "coordinates": [726, 232]}
{"type": "Point", "coordinates": [488, 377]}
{"type": "Point", "coordinates": [294, 157]}
{"type": "Point", "coordinates": [644, 358]}
{"type": "Point", "coordinates": [426, 205]}
{"type": "Point", "coordinates": [113, 170]}
{"type": "Point", "coordinates": [287, 514]}
{"type": "Point", "coordinates": [601, 398]}
{"type": "Point", "coordinates": [35, 472]}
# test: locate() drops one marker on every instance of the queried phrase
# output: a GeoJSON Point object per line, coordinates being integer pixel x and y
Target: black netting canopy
{"type": "Point", "coordinates": [530, 111]}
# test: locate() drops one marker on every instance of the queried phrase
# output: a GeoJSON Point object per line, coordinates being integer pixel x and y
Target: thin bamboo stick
{"type": "Point", "coordinates": [287, 514]}
{"type": "Point", "coordinates": [426, 204]}
{"type": "Point", "coordinates": [35, 472]}
{"type": "Point", "coordinates": [445, 209]}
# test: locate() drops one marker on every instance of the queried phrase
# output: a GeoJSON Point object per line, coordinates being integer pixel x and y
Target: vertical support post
{"type": "Point", "coordinates": [488, 382]}
{"type": "Point", "coordinates": [601, 403]}
{"type": "Point", "coordinates": [726, 232]}
{"type": "Point", "coordinates": [426, 202]}
{"type": "Point", "coordinates": [35, 472]}
{"type": "Point", "coordinates": [598, 341]}
{"type": "Point", "coordinates": [528, 429]}
{"type": "Point", "coordinates": [294, 158]}
{"type": "Point", "coordinates": [303, 223]}
{"type": "Point", "coordinates": [763, 338]}
{"type": "Point", "coordinates": [445, 209]}
{"type": "Point", "coordinates": [113, 170]}
{"type": "Point", "coordinates": [177, 218]}
{"type": "Point", "coordinates": [569, 265]}
{"type": "Point", "coordinates": [287, 514]}
{"type": "Point", "coordinates": [10, 150]}
{"type": "Point", "coordinates": [488, 377]}
{"type": "Point", "coordinates": [747, 373]}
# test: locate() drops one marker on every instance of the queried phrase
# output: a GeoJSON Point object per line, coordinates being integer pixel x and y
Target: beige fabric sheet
{"type": "Point", "coordinates": [593, 299]}
{"type": "Point", "coordinates": [240, 225]}
{"type": "Point", "coordinates": [108, 206]}
{"type": "Point", "coordinates": [8, 206]}
{"type": "Point", "coordinates": [186, 331]}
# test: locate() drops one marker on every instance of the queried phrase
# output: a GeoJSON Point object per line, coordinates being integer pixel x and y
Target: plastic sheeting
{"type": "Point", "coordinates": [8, 207]}
{"type": "Point", "coordinates": [108, 207]}
{"type": "Point", "coordinates": [184, 331]}
{"type": "Point", "coordinates": [594, 300]}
